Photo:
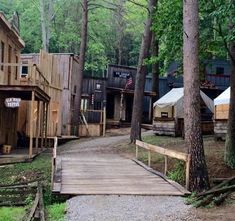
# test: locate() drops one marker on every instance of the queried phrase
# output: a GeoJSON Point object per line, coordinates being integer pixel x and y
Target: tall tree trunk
{"type": "Point", "coordinates": [229, 156]}
{"type": "Point", "coordinates": [140, 77]}
{"type": "Point", "coordinates": [155, 68]}
{"type": "Point", "coordinates": [82, 53]}
{"type": "Point", "coordinates": [198, 180]}
{"type": "Point", "coordinates": [45, 44]}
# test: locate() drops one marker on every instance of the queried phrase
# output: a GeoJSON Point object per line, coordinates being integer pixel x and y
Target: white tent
{"type": "Point", "coordinates": [223, 98]}
{"type": "Point", "coordinates": [174, 98]}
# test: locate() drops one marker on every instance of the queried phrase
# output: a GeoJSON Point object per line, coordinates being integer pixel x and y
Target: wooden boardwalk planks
{"type": "Point", "coordinates": [105, 174]}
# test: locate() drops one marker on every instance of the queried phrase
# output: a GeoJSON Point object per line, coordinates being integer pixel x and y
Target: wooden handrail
{"type": "Point", "coordinates": [166, 153]}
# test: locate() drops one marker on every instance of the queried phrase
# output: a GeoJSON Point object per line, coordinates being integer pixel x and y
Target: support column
{"type": "Point", "coordinates": [42, 125]}
{"type": "Point", "coordinates": [121, 105]}
{"type": "Point", "coordinates": [46, 124]}
{"type": "Point", "coordinates": [38, 124]}
{"type": "Point", "coordinates": [31, 126]}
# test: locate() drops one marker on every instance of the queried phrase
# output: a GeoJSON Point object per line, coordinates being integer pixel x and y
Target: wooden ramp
{"type": "Point", "coordinates": [105, 174]}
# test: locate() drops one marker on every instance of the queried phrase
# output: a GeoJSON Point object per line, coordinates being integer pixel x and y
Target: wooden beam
{"type": "Point", "coordinates": [42, 124]}
{"type": "Point", "coordinates": [38, 125]}
{"type": "Point", "coordinates": [104, 120]}
{"type": "Point", "coordinates": [46, 124]}
{"type": "Point", "coordinates": [31, 126]}
{"type": "Point", "coordinates": [166, 165]}
{"type": "Point", "coordinates": [149, 158]}
{"type": "Point", "coordinates": [187, 172]}
{"type": "Point", "coordinates": [163, 151]}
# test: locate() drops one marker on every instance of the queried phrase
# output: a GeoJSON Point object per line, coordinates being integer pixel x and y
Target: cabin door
{"type": "Point", "coordinates": [110, 106]}
{"type": "Point", "coordinates": [129, 104]}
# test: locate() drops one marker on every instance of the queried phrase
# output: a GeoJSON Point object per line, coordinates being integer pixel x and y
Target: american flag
{"type": "Point", "coordinates": [128, 82]}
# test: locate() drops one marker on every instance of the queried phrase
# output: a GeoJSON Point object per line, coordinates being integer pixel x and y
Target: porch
{"type": "Point", "coordinates": [23, 147]}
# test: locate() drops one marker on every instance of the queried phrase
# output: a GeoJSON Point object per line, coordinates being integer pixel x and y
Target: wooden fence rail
{"type": "Point", "coordinates": [166, 153]}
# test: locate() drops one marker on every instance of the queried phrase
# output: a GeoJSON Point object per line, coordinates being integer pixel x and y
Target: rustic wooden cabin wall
{"type": "Point", "coordinates": [74, 109]}
{"type": "Point", "coordinates": [9, 53]}
{"type": "Point", "coordinates": [94, 92]}
{"type": "Point", "coordinates": [8, 124]}
{"type": "Point", "coordinates": [118, 75]}
{"type": "Point", "coordinates": [44, 74]}
{"type": "Point", "coordinates": [64, 66]}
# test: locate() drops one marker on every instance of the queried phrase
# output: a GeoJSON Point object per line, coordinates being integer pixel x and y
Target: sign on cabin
{"type": "Point", "coordinates": [12, 102]}
{"type": "Point", "coordinates": [121, 74]}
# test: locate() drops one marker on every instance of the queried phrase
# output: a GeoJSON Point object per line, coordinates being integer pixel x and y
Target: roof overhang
{"type": "Point", "coordinates": [11, 31]}
{"type": "Point", "coordinates": [24, 92]}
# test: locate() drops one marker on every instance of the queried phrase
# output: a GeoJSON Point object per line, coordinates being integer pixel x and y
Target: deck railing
{"type": "Point", "coordinates": [166, 153]}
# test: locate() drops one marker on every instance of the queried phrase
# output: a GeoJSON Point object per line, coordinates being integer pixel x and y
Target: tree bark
{"type": "Point", "coordinates": [45, 42]}
{"type": "Point", "coordinates": [198, 180]}
{"type": "Point", "coordinates": [82, 52]}
{"type": "Point", "coordinates": [155, 68]}
{"type": "Point", "coordinates": [229, 156]}
{"type": "Point", "coordinates": [140, 77]}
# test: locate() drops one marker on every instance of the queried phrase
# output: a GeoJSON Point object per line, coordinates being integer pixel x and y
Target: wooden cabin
{"type": "Point", "coordinates": [168, 114]}
{"type": "Point", "coordinates": [93, 107]}
{"type": "Point", "coordinates": [63, 110]}
{"type": "Point", "coordinates": [120, 88]}
{"type": "Point", "coordinates": [221, 113]}
{"type": "Point", "coordinates": [14, 90]}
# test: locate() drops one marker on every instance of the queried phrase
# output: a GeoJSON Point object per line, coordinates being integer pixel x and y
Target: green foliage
{"type": "Point", "coordinates": [56, 212]}
{"type": "Point", "coordinates": [11, 213]}
{"type": "Point", "coordinates": [178, 173]}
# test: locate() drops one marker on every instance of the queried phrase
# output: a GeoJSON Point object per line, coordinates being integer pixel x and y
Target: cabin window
{"type": "Point", "coordinates": [98, 86]}
{"type": "Point", "coordinates": [219, 70]}
{"type": "Point", "coordinates": [9, 58]}
{"type": "Point", "coordinates": [2, 54]}
{"type": "Point", "coordinates": [24, 71]}
{"type": "Point", "coordinates": [164, 114]}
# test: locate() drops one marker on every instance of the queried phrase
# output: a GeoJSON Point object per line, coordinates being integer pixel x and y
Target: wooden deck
{"type": "Point", "coordinates": [107, 174]}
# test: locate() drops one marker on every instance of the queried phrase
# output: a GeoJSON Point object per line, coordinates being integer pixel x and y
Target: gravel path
{"type": "Point", "coordinates": [121, 208]}
{"type": "Point", "coordinates": [128, 208]}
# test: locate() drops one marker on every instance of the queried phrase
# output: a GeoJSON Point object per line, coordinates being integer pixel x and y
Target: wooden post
{"type": "Point", "coordinates": [42, 125]}
{"type": "Point", "coordinates": [166, 165]}
{"type": "Point", "coordinates": [149, 158]}
{"type": "Point", "coordinates": [104, 120]}
{"type": "Point", "coordinates": [136, 152]}
{"type": "Point", "coordinates": [187, 171]}
{"type": "Point", "coordinates": [38, 125]}
{"type": "Point", "coordinates": [31, 126]}
{"type": "Point", "coordinates": [121, 105]}
{"type": "Point", "coordinates": [46, 124]}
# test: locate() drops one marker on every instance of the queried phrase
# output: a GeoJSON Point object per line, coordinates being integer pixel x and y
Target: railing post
{"type": "Point", "coordinates": [136, 151]}
{"type": "Point", "coordinates": [187, 171]}
{"type": "Point", "coordinates": [149, 158]}
{"type": "Point", "coordinates": [166, 165]}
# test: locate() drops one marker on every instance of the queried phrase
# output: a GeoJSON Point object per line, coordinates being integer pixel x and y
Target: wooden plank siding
{"type": "Point", "coordinates": [61, 72]}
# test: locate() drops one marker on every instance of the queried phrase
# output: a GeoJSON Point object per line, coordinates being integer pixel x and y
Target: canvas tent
{"type": "Point", "coordinates": [169, 111]}
{"type": "Point", "coordinates": [221, 107]}
{"type": "Point", "coordinates": [223, 98]}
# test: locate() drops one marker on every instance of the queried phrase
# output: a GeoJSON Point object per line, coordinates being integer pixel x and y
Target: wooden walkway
{"type": "Point", "coordinates": [106, 174]}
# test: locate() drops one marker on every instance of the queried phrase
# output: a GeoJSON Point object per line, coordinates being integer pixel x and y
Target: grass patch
{"type": "Point", "coordinates": [56, 212]}
{"type": "Point", "coordinates": [178, 172]}
{"type": "Point", "coordinates": [40, 168]}
{"type": "Point", "coordinates": [11, 213]}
